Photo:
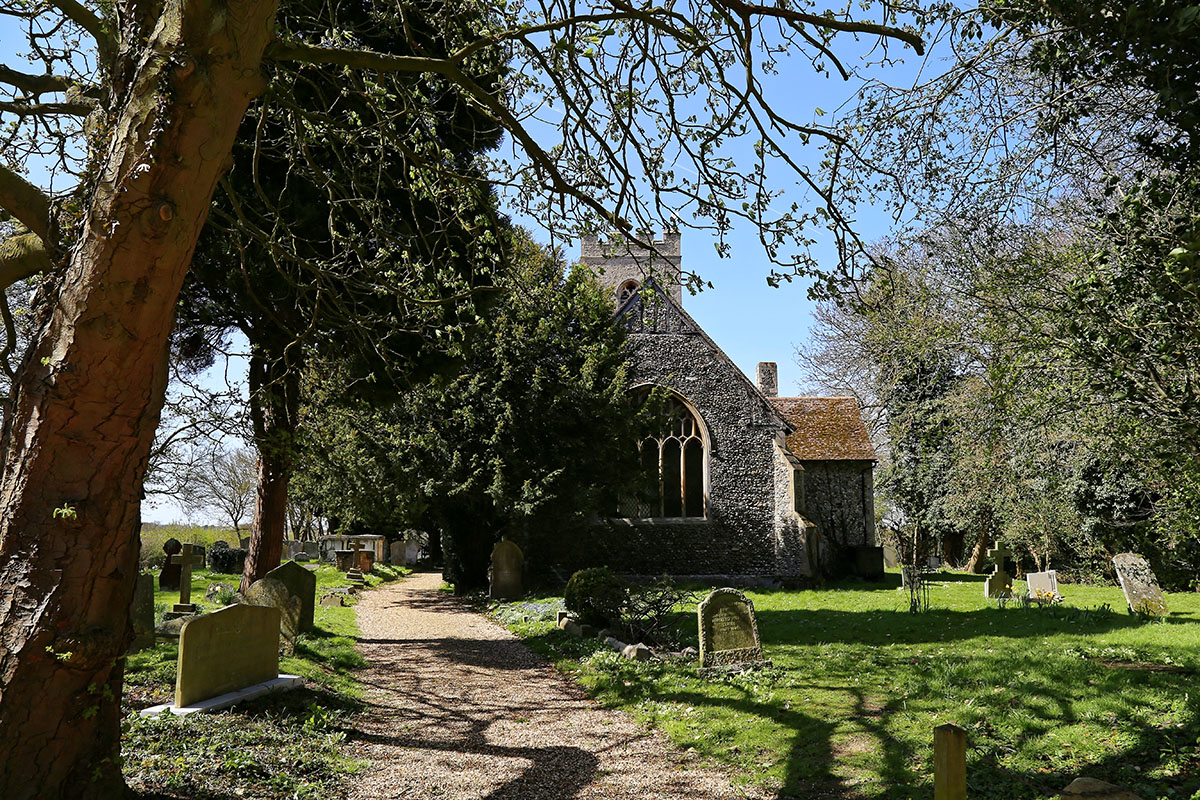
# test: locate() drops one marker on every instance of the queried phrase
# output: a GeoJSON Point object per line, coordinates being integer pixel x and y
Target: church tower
{"type": "Point", "coordinates": [622, 266]}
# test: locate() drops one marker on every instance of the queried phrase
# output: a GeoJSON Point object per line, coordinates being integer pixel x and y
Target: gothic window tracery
{"type": "Point", "coordinates": [672, 469]}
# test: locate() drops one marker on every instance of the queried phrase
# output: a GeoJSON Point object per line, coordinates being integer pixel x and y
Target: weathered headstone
{"type": "Point", "coordinates": [999, 583]}
{"type": "Point", "coordinates": [302, 583]}
{"type": "Point", "coordinates": [508, 571]}
{"type": "Point", "coordinates": [235, 647]}
{"type": "Point", "coordinates": [343, 559]}
{"type": "Point", "coordinates": [868, 562]}
{"type": "Point", "coordinates": [142, 613]}
{"type": "Point", "coordinates": [185, 560]}
{"type": "Point", "coordinates": [168, 576]}
{"type": "Point", "coordinates": [313, 549]}
{"type": "Point", "coordinates": [1042, 584]}
{"type": "Point", "coordinates": [728, 630]}
{"type": "Point", "coordinates": [1142, 592]}
{"type": "Point", "coordinates": [890, 557]}
{"type": "Point", "coordinates": [396, 552]}
{"type": "Point", "coordinates": [412, 551]}
{"type": "Point", "coordinates": [272, 593]}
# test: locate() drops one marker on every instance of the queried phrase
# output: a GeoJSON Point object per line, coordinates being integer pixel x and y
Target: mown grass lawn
{"type": "Point", "coordinates": [283, 746]}
{"type": "Point", "coordinates": [1045, 694]}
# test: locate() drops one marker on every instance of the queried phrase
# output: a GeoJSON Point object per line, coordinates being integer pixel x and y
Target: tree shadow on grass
{"type": "Point", "coordinates": [826, 626]}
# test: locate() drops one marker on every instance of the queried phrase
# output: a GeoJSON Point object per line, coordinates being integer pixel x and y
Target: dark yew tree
{"type": "Point", "coordinates": [532, 430]}
{"type": "Point", "coordinates": [344, 240]}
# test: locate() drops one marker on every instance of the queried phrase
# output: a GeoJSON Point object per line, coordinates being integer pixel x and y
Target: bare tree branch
{"type": "Point", "coordinates": [81, 16]}
{"type": "Point", "coordinates": [21, 256]}
{"type": "Point", "coordinates": [29, 204]}
{"type": "Point", "coordinates": [76, 109]}
{"type": "Point", "coordinates": [40, 84]}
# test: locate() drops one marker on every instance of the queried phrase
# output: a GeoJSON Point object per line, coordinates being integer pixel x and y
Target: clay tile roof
{"type": "Point", "coordinates": [827, 428]}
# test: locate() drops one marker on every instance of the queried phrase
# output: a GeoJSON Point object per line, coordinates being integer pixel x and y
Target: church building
{"type": "Point", "coordinates": [749, 483]}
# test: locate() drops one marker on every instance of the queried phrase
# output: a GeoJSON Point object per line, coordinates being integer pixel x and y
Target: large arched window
{"type": "Point", "coordinates": [672, 468]}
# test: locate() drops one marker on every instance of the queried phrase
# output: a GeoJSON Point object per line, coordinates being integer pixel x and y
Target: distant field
{"type": "Point", "coordinates": [1046, 694]}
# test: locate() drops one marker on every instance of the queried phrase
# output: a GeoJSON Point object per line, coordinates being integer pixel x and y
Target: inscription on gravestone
{"type": "Point", "coordinates": [1140, 585]}
{"type": "Point", "coordinates": [728, 630]}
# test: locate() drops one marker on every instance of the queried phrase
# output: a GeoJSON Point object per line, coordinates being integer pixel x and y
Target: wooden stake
{"type": "Point", "coordinates": [949, 763]}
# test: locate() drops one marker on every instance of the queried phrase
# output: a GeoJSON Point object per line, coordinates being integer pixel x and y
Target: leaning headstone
{"type": "Point", "coordinates": [728, 630]}
{"type": "Point", "coordinates": [890, 557]}
{"type": "Point", "coordinates": [1042, 584]}
{"type": "Point", "coordinates": [508, 571]}
{"type": "Point", "coordinates": [272, 593]}
{"type": "Point", "coordinates": [302, 583]}
{"type": "Point", "coordinates": [142, 613]}
{"type": "Point", "coordinates": [168, 576]}
{"type": "Point", "coordinates": [229, 649]}
{"type": "Point", "coordinates": [999, 583]}
{"type": "Point", "coordinates": [1142, 592]}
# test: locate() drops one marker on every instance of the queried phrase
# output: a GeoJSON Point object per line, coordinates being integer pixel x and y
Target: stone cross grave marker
{"type": "Point", "coordinates": [728, 630]}
{"type": "Point", "coordinates": [355, 546]}
{"type": "Point", "coordinates": [999, 581]}
{"type": "Point", "coordinates": [168, 576]}
{"type": "Point", "coordinates": [1042, 584]}
{"type": "Point", "coordinates": [508, 571]}
{"type": "Point", "coordinates": [302, 584]}
{"type": "Point", "coordinates": [1140, 585]}
{"type": "Point", "coordinates": [229, 649]}
{"type": "Point", "coordinates": [185, 561]}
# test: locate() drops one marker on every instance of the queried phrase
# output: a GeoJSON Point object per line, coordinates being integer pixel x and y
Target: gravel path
{"type": "Point", "coordinates": [459, 708]}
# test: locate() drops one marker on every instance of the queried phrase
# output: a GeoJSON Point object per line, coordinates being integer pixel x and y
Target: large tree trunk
{"type": "Point", "coordinates": [274, 409]}
{"type": "Point", "coordinates": [91, 392]}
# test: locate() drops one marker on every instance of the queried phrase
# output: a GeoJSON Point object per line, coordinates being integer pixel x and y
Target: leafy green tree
{"type": "Point", "coordinates": [533, 430]}
{"type": "Point", "coordinates": [343, 242]}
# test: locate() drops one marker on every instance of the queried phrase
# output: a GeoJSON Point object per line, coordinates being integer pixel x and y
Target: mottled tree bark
{"type": "Point", "coordinates": [978, 552]}
{"type": "Point", "coordinates": [91, 392]}
{"type": "Point", "coordinates": [274, 410]}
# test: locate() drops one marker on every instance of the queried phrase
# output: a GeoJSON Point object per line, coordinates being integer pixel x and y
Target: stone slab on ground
{"type": "Point", "coordinates": [221, 702]}
{"type": "Point", "coordinates": [460, 708]}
